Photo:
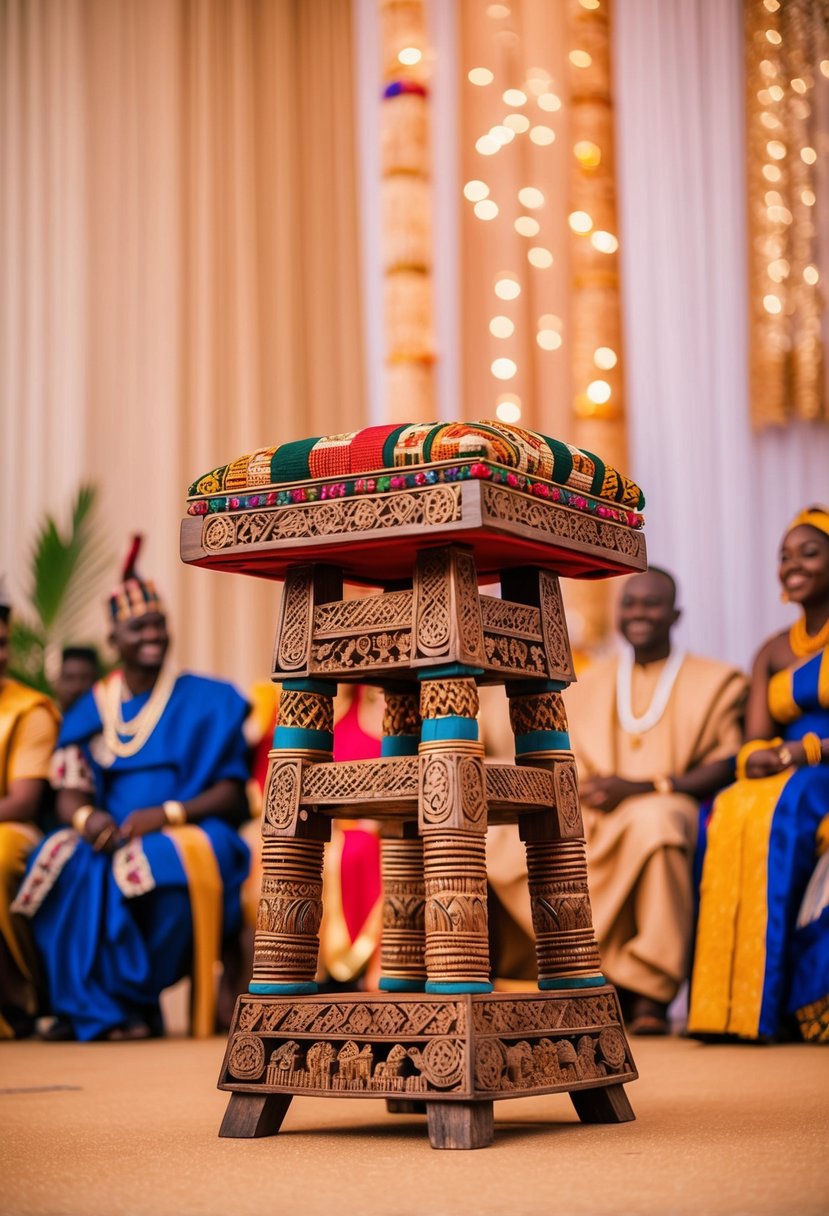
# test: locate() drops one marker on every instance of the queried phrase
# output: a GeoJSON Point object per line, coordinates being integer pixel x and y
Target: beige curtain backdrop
{"type": "Point", "coordinates": [178, 272]}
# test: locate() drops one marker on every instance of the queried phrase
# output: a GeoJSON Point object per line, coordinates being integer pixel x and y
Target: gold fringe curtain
{"type": "Point", "coordinates": [180, 272]}
{"type": "Point", "coordinates": [406, 211]}
{"type": "Point", "coordinates": [787, 117]}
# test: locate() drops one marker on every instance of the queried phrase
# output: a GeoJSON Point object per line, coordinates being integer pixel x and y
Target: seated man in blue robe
{"type": "Point", "coordinates": [145, 883]}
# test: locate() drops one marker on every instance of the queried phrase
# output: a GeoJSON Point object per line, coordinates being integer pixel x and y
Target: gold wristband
{"type": "Point", "coordinates": [813, 748]}
{"type": "Point", "coordinates": [662, 785]}
{"type": "Point", "coordinates": [754, 745]}
{"type": "Point", "coordinates": [175, 812]}
{"type": "Point", "coordinates": [80, 817]}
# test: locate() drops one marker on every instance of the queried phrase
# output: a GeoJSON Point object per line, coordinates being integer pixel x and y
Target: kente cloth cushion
{"type": "Point", "coordinates": [377, 448]}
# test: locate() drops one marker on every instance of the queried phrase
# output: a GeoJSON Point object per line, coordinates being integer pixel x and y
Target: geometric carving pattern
{"type": "Point", "coordinates": [404, 900]}
{"type": "Point", "coordinates": [452, 791]}
{"type": "Point", "coordinates": [539, 711]}
{"type": "Point", "coordinates": [457, 945]}
{"type": "Point", "coordinates": [567, 797]}
{"type": "Point", "coordinates": [440, 698]}
{"type": "Point", "coordinates": [402, 714]}
{"type": "Point", "coordinates": [503, 616]}
{"type": "Point", "coordinates": [246, 1059]}
{"type": "Point", "coordinates": [554, 625]}
{"type": "Point", "coordinates": [432, 506]}
{"type": "Point", "coordinates": [468, 607]}
{"type": "Point", "coordinates": [307, 710]}
{"type": "Point", "coordinates": [406, 1044]}
{"type": "Point", "coordinates": [360, 780]}
{"type": "Point", "coordinates": [560, 902]}
{"type": "Point", "coordinates": [432, 626]}
{"type": "Point", "coordinates": [501, 505]}
{"type": "Point", "coordinates": [391, 610]}
{"type": "Point", "coordinates": [524, 788]}
{"type": "Point", "coordinates": [282, 788]}
{"type": "Point", "coordinates": [294, 634]}
{"type": "Point", "coordinates": [289, 912]}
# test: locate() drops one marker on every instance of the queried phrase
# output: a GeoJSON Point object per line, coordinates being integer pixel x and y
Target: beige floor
{"type": "Point", "coordinates": [131, 1128]}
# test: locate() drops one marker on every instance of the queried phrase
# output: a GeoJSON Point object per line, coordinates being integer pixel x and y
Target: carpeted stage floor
{"type": "Point", "coordinates": [131, 1128]}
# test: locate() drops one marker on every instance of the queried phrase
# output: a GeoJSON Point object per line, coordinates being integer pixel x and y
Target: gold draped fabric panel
{"type": "Point", "coordinates": [541, 309]}
{"type": "Point", "coordinates": [179, 243]}
{"type": "Point", "coordinates": [787, 123]}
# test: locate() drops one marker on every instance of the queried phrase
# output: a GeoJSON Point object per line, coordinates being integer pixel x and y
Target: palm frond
{"type": "Point", "coordinates": [64, 567]}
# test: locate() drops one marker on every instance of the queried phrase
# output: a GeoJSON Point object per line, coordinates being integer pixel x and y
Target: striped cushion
{"type": "Point", "coordinates": [416, 443]}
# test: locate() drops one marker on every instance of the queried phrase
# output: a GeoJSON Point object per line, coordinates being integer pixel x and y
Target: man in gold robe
{"type": "Point", "coordinates": [28, 730]}
{"type": "Point", "coordinates": [654, 732]}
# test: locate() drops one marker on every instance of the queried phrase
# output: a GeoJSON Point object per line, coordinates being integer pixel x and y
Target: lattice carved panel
{"type": "Point", "coordinates": [432, 506]}
{"type": "Point", "coordinates": [391, 610]}
{"type": "Point", "coordinates": [357, 781]}
{"type": "Point", "coordinates": [570, 526]}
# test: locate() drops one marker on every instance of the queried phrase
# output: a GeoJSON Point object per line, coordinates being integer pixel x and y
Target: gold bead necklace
{"type": "Point", "coordinates": [803, 643]}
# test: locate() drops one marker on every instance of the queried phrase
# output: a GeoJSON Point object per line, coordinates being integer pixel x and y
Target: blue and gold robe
{"type": "Point", "coordinates": [762, 953]}
{"type": "Point", "coordinates": [115, 930]}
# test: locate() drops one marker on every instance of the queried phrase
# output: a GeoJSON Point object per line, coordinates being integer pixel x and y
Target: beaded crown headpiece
{"type": "Point", "coordinates": [816, 516]}
{"type": "Point", "coordinates": [134, 596]}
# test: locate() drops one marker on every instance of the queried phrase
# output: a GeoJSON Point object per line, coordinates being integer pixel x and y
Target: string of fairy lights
{"type": "Point", "coordinates": [785, 70]}
{"type": "Point", "coordinates": [527, 110]}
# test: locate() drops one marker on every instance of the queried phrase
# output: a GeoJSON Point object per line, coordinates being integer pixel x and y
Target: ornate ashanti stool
{"type": "Point", "coordinates": [426, 514]}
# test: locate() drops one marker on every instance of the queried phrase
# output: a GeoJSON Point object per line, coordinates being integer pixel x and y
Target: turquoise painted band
{"type": "Point", "coordinates": [542, 741]}
{"type": "Point", "coordinates": [303, 989]}
{"type": "Point", "coordinates": [529, 688]}
{"type": "Point", "coordinates": [388, 983]}
{"type": "Point", "coordinates": [448, 670]}
{"type": "Point", "coordinates": [326, 688]}
{"type": "Point", "coordinates": [291, 737]}
{"type": "Point", "coordinates": [581, 981]}
{"type": "Point", "coordinates": [450, 989]}
{"type": "Point", "coordinates": [399, 745]}
{"type": "Point", "coordinates": [450, 727]}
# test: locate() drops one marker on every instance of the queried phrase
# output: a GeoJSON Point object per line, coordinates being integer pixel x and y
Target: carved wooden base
{"type": "Point", "coordinates": [457, 1054]}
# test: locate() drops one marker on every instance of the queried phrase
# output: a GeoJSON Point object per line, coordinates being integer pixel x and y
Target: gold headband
{"type": "Point", "coordinates": [813, 517]}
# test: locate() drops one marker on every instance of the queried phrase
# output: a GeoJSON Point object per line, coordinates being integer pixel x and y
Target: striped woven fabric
{"type": "Point", "coordinates": [423, 443]}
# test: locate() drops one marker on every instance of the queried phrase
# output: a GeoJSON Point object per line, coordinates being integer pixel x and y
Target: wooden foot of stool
{"type": "Point", "coordinates": [460, 1124]}
{"type": "Point", "coordinates": [607, 1105]}
{"type": "Point", "coordinates": [405, 1106]}
{"type": "Point", "coordinates": [249, 1116]}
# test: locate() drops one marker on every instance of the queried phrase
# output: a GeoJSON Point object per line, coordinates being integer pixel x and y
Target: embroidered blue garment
{"type": "Point", "coordinates": [108, 957]}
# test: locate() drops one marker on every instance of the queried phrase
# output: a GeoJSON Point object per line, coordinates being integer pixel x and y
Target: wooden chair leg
{"type": "Point", "coordinates": [609, 1104]}
{"type": "Point", "coordinates": [460, 1124]}
{"type": "Point", "coordinates": [249, 1116]}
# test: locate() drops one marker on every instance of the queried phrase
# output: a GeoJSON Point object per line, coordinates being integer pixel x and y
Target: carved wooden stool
{"type": "Point", "coordinates": [436, 1037]}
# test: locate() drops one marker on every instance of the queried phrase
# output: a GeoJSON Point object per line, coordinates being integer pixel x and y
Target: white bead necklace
{"type": "Point", "coordinates": [629, 722]}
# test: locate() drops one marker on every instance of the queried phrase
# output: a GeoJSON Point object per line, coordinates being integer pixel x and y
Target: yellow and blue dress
{"type": "Point", "coordinates": [762, 950]}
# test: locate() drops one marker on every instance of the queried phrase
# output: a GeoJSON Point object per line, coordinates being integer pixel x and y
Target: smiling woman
{"type": "Point", "coordinates": [759, 962]}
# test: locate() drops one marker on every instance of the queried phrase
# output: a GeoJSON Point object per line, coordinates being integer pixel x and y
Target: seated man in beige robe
{"type": "Point", "coordinates": [654, 731]}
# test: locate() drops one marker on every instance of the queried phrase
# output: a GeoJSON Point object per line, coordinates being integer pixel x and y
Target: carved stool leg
{"type": "Point", "coordinates": [286, 949]}
{"type": "Point", "coordinates": [460, 1124]}
{"type": "Point", "coordinates": [250, 1116]}
{"type": "Point", "coordinates": [452, 820]}
{"type": "Point", "coordinates": [566, 948]}
{"type": "Point", "coordinates": [402, 959]}
{"type": "Point", "coordinates": [606, 1105]}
